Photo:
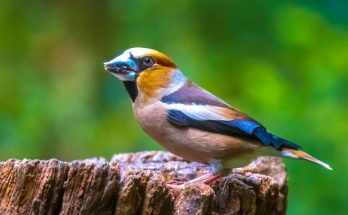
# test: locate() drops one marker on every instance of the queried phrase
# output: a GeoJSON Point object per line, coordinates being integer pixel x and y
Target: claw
{"type": "Point", "coordinates": [173, 182]}
{"type": "Point", "coordinates": [177, 181]}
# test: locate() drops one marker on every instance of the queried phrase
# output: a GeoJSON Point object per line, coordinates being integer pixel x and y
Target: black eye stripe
{"type": "Point", "coordinates": [143, 62]}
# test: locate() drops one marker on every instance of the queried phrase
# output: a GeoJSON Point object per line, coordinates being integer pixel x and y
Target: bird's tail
{"type": "Point", "coordinates": [298, 154]}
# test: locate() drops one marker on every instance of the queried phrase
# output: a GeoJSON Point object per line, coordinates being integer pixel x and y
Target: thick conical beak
{"type": "Point", "coordinates": [123, 67]}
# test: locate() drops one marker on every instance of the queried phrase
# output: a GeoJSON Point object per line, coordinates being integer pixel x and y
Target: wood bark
{"type": "Point", "coordinates": [134, 183]}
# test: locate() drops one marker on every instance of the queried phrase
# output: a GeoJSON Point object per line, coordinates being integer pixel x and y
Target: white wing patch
{"type": "Point", "coordinates": [200, 112]}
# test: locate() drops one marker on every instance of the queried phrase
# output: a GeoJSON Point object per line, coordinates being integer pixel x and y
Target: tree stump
{"type": "Point", "coordinates": [134, 183]}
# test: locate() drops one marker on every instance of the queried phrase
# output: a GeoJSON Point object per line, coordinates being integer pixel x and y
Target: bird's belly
{"type": "Point", "coordinates": [189, 143]}
{"type": "Point", "coordinates": [205, 147]}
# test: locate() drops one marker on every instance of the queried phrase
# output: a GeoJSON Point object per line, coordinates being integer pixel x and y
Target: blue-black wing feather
{"type": "Point", "coordinates": [246, 129]}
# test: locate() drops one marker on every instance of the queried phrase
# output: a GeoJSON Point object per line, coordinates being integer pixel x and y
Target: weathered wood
{"type": "Point", "coordinates": [134, 184]}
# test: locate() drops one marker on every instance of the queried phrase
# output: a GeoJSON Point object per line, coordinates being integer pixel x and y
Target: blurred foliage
{"type": "Point", "coordinates": [283, 62]}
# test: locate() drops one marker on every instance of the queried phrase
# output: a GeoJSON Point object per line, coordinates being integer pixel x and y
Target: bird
{"type": "Point", "coordinates": [191, 122]}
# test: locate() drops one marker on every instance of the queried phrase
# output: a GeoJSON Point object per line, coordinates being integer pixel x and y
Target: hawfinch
{"type": "Point", "coordinates": [191, 122]}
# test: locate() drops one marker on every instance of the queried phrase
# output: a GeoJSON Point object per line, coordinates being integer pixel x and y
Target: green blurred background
{"type": "Point", "coordinates": [283, 62]}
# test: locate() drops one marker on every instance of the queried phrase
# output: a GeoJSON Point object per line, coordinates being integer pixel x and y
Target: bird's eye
{"type": "Point", "coordinates": [148, 61]}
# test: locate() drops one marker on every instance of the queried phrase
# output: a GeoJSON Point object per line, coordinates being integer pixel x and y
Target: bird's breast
{"type": "Point", "coordinates": [151, 118]}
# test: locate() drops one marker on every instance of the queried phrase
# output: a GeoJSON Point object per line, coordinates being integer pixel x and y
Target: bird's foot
{"type": "Point", "coordinates": [207, 179]}
{"type": "Point", "coordinates": [176, 186]}
{"type": "Point", "coordinates": [177, 181]}
{"type": "Point", "coordinates": [212, 179]}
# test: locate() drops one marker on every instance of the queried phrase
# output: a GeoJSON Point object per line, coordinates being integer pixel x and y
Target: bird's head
{"type": "Point", "coordinates": [142, 69]}
{"type": "Point", "coordinates": [131, 63]}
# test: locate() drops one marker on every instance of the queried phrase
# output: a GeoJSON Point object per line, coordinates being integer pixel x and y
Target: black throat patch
{"type": "Point", "coordinates": [132, 89]}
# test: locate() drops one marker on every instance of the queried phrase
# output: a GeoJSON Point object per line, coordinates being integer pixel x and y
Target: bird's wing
{"type": "Point", "coordinates": [194, 107]}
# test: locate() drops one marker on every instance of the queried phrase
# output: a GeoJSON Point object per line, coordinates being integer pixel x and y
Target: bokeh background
{"type": "Point", "coordinates": [283, 62]}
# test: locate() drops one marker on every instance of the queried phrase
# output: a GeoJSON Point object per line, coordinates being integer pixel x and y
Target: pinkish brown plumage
{"type": "Point", "coordinates": [191, 122]}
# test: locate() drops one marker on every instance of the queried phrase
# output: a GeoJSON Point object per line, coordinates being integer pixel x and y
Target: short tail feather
{"type": "Point", "coordinates": [298, 154]}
